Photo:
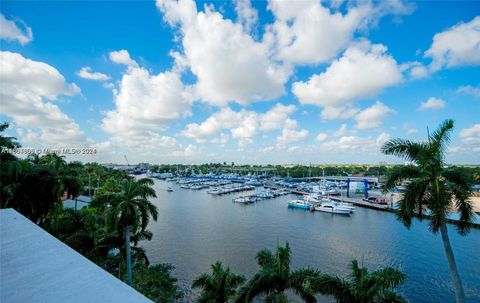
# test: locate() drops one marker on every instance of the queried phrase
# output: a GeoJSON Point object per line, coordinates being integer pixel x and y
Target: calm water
{"type": "Point", "coordinates": [194, 229]}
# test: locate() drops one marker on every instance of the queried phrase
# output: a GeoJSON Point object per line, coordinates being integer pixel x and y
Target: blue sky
{"type": "Point", "coordinates": [250, 82]}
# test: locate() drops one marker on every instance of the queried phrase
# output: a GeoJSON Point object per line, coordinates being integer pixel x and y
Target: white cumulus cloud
{"type": "Point", "coordinates": [244, 125]}
{"type": "Point", "coordinates": [321, 137]}
{"type": "Point", "coordinates": [469, 90]}
{"type": "Point", "coordinates": [342, 131]}
{"type": "Point", "coordinates": [291, 133]}
{"type": "Point", "coordinates": [470, 140]}
{"type": "Point", "coordinates": [15, 30]}
{"type": "Point", "coordinates": [122, 57]}
{"type": "Point", "coordinates": [352, 144]}
{"type": "Point", "coordinates": [27, 90]}
{"type": "Point", "coordinates": [373, 116]}
{"type": "Point", "coordinates": [306, 32]}
{"type": "Point", "coordinates": [228, 63]}
{"type": "Point", "coordinates": [338, 113]}
{"type": "Point", "coordinates": [363, 71]}
{"type": "Point", "coordinates": [432, 104]}
{"type": "Point", "coordinates": [310, 32]}
{"type": "Point", "coordinates": [145, 105]}
{"type": "Point", "coordinates": [456, 46]}
{"type": "Point", "coordinates": [87, 73]}
{"type": "Point", "coordinates": [247, 15]}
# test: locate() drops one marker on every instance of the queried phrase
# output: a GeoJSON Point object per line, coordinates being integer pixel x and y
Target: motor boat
{"type": "Point", "coordinates": [331, 207]}
{"type": "Point", "coordinates": [299, 204]}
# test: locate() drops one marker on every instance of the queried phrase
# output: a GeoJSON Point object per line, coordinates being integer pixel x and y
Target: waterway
{"type": "Point", "coordinates": [195, 229]}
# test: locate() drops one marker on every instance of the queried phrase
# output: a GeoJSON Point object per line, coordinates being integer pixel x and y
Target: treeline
{"type": "Point", "coordinates": [293, 171]}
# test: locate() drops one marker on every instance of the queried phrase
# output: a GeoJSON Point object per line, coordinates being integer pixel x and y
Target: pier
{"type": "Point", "coordinates": [359, 202]}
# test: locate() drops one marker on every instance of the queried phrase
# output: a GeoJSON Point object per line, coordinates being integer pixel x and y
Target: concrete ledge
{"type": "Point", "coordinates": [37, 267]}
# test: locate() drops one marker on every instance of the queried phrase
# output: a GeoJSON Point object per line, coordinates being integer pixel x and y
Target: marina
{"type": "Point", "coordinates": [213, 228]}
{"type": "Point", "coordinates": [314, 190]}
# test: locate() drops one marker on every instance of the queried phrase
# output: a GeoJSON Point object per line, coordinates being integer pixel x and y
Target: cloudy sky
{"type": "Point", "coordinates": [250, 82]}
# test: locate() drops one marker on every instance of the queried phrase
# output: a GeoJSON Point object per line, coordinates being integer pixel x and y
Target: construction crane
{"type": "Point", "coordinates": [126, 160]}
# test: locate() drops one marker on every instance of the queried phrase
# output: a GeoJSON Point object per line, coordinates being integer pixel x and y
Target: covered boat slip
{"type": "Point", "coordinates": [37, 267]}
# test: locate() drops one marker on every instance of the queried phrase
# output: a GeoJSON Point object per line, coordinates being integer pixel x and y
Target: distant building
{"type": "Point", "coordinates": [37, 267]}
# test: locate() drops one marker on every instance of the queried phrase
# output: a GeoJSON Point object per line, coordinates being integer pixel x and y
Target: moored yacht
{"type": "Point", "coordinates": [299, 204]}
{"type": "Point", "coordinates": [331, 207]}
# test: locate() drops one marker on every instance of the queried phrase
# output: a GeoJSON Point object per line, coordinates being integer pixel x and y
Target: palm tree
{"type": "Point", "coordinates": [275, 277]}
{"type": "Point", "coordinates": [219, 286]}
{"type": "Point", "coordinates": [434, 188]}
{"type": "Point", "coordinates": [77, 229]}
{"type": "Point", "coordinates": [67, 175]}
{"type": "Point", "coordinates": [362, 287]}
{"type": "Point", "coordinates": [31, 190]}
{"type": "Point", "coordinates": [129, 211]}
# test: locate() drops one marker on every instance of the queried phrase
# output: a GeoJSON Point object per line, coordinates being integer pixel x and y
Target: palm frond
{"type": "Point", "coordinates": [261, 283]}
{"type": "Point", "coordinates": [388, 277]}
{"type": "Point", "coordinates": [401, 173]}
{"type": "Point", "coordinates": [265, 258]}
{"type": "Point", "coordinates": [299, 281]}
{"type": "Point", "coordinates": [202, 281]}
{"type": "Point", "coordinates": [413, 202]}
{"type": "Point", "coordinates": [441, 136]}
{"type": "Point", "coordinates": [406, 149]}
{"type": "Point", "coordinates": [391, 297]}
{"type": "Point", "coordinates": [332, 286]}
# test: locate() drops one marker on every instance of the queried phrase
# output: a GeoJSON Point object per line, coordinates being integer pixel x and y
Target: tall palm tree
{"type": "Point", "coordinates": [275, 277]}
{"type": "Point", "coordinates": [433, 188]}
{"type": "Point", "coordinates": [129, 211]}
{"type": "Point", "coordinates": [219, 286]}
{"type": "Point", "coordinates": [362, 287]}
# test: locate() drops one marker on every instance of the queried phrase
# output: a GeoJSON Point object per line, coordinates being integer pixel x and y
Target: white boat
{"type": "Point", "coordinates": [312, 199]}
{"type": "Point", "coordinates": [345, 205]}
{"type": "Point", "coordinates": [331, 207]}
{"type": "Point", "coordinates": [214, 191]}
{"type": "Point", "coordinates": [197, 186]}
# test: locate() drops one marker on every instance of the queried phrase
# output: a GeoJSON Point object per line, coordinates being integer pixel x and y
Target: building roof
{"type": "Point", "coordinates": [82, 201]}
{"type": "Point", "coordinates": [37, 267]}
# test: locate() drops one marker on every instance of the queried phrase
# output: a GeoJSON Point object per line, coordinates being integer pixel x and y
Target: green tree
{"type": "Point", "coordinates": [156, 282]}
{"type": "Point", "coordinates": [275, 277]}
{"type": "Point", "coordinates": [362, 287]}
{"type": "Point", "coordinates": [5, 144]}
{"type": "Point", "coordinates": [30, 189]}
{"type": "Point", "coordinates": [434, 188]}
{"type": "Point", "coordinates": [129, 211]}
{"type": "Point", "coordinates": [67, 175]}
{"type": "Point", "coordinates": [78, 229]}
{"type": "Point", "coordinates": [219, 286]}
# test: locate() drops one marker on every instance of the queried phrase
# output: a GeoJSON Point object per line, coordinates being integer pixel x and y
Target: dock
{"type": "Point", "coordinates": [357, 202]}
